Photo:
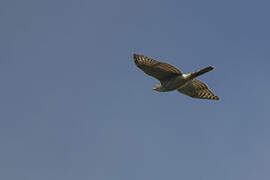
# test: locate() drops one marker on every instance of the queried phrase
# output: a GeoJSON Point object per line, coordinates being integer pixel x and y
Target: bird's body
{"type": "Point", "coordinates": [172, 84]}
{"type": "Point", "coordinates": [172, 78]}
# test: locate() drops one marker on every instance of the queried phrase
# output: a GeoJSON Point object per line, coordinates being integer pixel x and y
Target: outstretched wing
{"type": "Point", "coordinates": [159, 70]}
{"type": "Point", "coordinates": [198, 89]}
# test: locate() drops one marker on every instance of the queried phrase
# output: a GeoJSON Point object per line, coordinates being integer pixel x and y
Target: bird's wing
{"type": "Point", "coordinates": [159, 70]}
{"type": "Point", "coordinates": [198, 89]}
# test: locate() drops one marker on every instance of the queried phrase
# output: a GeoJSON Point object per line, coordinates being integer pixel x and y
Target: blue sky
{"type": "Point", "coordinates": [74, 106]}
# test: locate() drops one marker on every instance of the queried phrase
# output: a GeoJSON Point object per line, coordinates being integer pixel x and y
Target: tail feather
{"type": "Point", "coordinates": [200, 72]}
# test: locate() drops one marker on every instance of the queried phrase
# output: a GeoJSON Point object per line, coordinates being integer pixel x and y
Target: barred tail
{"type": "Point", "coordinates": [200, 72]}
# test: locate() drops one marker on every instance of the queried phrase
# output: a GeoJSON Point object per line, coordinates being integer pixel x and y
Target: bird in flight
{"type": "Point", "coordinates": [172, 78]}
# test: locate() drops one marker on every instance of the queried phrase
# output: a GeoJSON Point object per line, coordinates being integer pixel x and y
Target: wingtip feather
{"type": "Point", "coordinates": [216, 98]}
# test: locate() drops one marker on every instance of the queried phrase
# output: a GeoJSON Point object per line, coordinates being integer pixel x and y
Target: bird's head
{"type": "Point", "coordinates": [157, 87]}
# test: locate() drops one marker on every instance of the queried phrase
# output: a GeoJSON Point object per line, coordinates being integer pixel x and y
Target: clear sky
{"type": "Point", "coordinates": [73, 105]}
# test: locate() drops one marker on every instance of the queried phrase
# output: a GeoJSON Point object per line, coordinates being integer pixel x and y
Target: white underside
{"type": "Point", "coordinates": [174, 84]}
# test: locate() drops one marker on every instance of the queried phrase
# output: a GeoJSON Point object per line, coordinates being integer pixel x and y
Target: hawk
{"type": "Point", "coordinates": [172, 78]}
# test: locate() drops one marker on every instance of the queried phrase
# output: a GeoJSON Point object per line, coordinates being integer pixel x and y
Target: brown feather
{"type": "Point", "coordinates": [198, 89]}
{"type": "Point", "coordinates": [156, 69]}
